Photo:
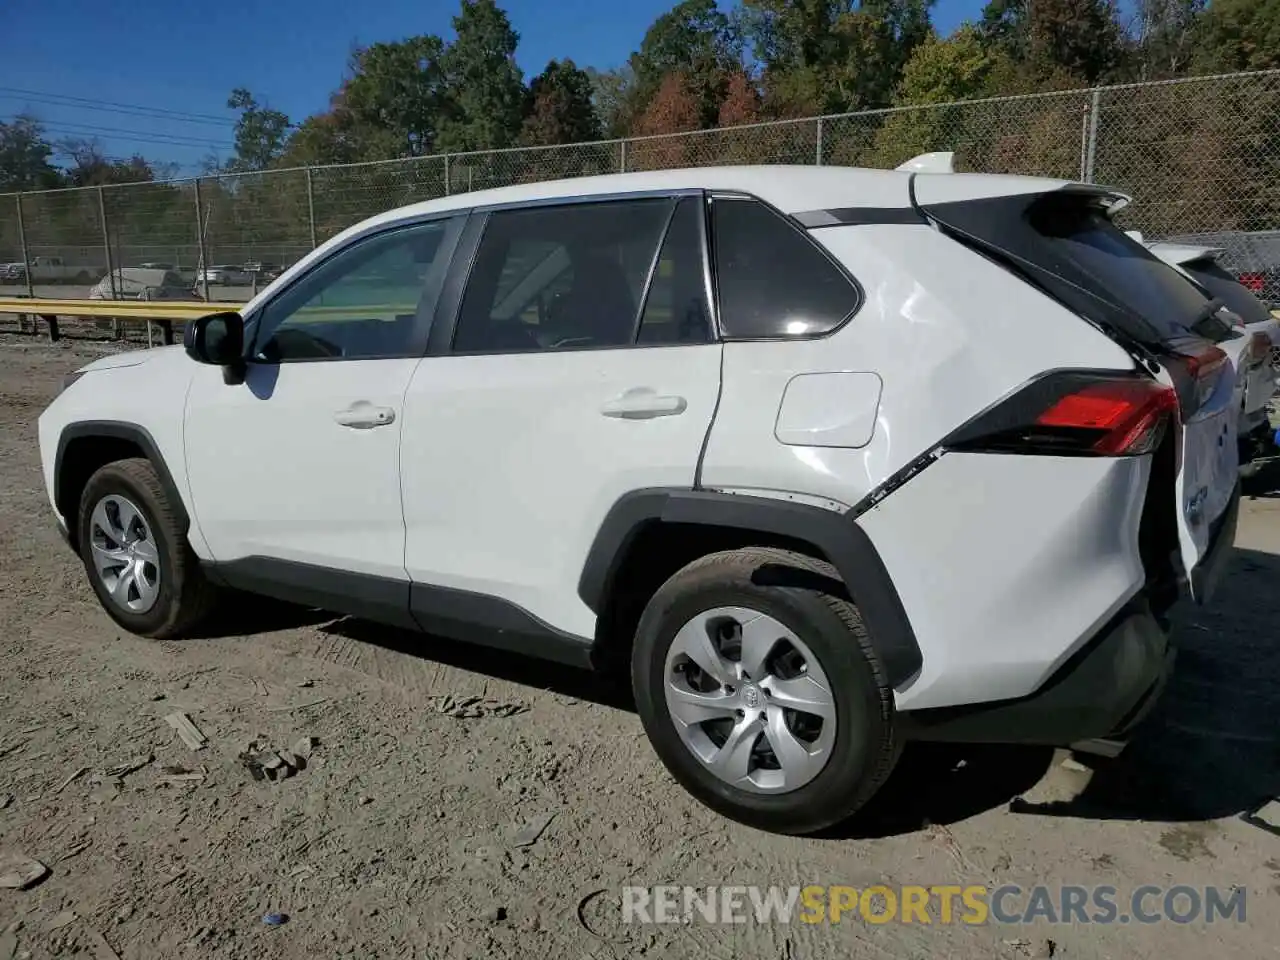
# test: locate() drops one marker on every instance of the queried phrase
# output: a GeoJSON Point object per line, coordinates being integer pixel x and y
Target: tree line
{"type": "Point", "coordinates": [703, 65]}
{"type": "Point", "coordinates": [698, 66]}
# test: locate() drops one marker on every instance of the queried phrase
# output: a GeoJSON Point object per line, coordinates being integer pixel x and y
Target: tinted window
{"type": "Point", "coordinates": [773, 281]}
{"type": "Point", "coordinates": [560, 278]}
{"type": "Point", "coordinates": [1120, 268]}
{"type": "Point", "coordinates": [675, 310]}
{"type": "Point", "coordinates": [1228, 289]}
{"type": "Point", "coordinates": [371, 300]}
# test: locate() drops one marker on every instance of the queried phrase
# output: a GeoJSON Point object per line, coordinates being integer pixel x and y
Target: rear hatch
{"type": "Point", "coordinates": [1060, 237]}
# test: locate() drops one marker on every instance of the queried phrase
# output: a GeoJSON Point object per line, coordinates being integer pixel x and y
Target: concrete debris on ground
{"type": "Point", "coordinates": [187, 730]}
{"type": "Point", "coordinates": [129, 766]}
{"type": "Point", "coordinates": [528, 834]}
{"type": "Point", "coordinates": [18, 872]}
{"type": "Point", "coordinates": [475, 708]}
{"type": "Point", "coordinates": [265, 762]}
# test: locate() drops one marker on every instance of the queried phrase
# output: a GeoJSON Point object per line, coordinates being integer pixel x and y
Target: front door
{"type": "Point", "coordinates": [294, 473]}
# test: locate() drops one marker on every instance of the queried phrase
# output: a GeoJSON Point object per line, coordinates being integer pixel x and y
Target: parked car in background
{"type": "Point", "coordinates": [142, 283]}
{"type": "Point", "coordinates": [917, 464]}
{"type": "Point", "coordinates": [1253, 349]}
{"type": "Point", "coordinates": [226, 275]}
{"type": "Point", "coordinates": [1252, 257]}
{"type": "Point", "coordinates": [46, 270]}
{"type": "Point", "coordinates": [264, 271]}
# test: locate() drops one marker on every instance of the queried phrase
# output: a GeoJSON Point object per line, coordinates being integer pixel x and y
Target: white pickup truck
{"type": "Point", "coordinates": [45, 270]}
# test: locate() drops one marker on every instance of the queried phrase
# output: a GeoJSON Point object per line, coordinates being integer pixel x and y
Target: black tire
{"type": "Point", "coordinates": [185, 594]}
{"type": "Point", "coordinates": [864, 752]}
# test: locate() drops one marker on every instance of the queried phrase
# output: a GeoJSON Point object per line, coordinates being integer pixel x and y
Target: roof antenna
{"type": "Point", "coordinates": [940, 162]}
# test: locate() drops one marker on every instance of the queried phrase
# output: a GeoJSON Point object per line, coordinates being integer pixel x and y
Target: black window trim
{"type": "Point", "coordinates": [860, 296]}
{"type": "Point", "coordinates": [450, 244]}
{"type": "Point", "coordinates": [449, 308]}
{"type": "Point", "coordinates": [647, 289]}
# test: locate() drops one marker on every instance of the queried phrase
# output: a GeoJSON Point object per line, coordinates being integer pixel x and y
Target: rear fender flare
{"type": "Point", "coordinates": [835, 535]}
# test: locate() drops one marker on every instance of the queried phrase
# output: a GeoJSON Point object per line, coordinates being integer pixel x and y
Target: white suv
{"type": "Point", "coordinates": [834, 458]}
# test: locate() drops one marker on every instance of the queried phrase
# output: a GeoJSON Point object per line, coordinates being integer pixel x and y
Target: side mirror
{"type": "Point", "coordinates": [218, 339]}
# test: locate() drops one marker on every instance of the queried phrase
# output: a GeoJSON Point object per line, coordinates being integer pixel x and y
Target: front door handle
{"type": "Point", "coordinates": [641, 403]}
{"type": "Point", "coordinates": [363, 415]}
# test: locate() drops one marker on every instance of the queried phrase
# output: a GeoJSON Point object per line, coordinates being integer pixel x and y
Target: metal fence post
{"type": "Point", "coordinates": [22, 241]}
{"type": "Point", "coordinates": [106, 242]}
{"type": "Point", "coordinates": [818, 154]}
{"type": "Point", "coordinates": [1091, 147]}
{"type": "Point", "coordinates": [204, 262]}
{"type": "Point", "coordinates": [446, 175]}
{"type": "Point", "coordinates": [622, 164]}
{"type": "Point", "coordinates": [311, 206]}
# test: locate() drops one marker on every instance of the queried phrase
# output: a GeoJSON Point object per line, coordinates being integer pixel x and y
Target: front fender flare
{"type": "Point", "coordinates": [115, 430]}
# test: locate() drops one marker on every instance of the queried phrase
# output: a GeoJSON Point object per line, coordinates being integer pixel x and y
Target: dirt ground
{"type": "Point", "coordinates": [397, 840]}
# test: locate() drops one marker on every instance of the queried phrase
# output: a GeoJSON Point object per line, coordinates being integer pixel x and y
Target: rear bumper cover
{"type": "Point", "coordinates": [1101, 692]}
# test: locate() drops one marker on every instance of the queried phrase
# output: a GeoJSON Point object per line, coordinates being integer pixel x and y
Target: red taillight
{"type": "Point", "coordinates": [1253, 282]}
{"type": "Point", "coordinates": [1196, 376]}
{"type": "Point", "coordinates": [1127, 417]}
{"type": "Point", "coordinates": [1075, 414]}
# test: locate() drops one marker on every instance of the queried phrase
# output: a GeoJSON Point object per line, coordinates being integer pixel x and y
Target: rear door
{"type": "Point", "coordinates": [1061, 239]}
{"type": "Point", "coordinates": [578, 364]}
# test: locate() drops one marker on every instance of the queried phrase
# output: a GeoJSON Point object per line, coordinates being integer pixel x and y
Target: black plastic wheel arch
{"type": "Point", "coordinates": [836, 536]}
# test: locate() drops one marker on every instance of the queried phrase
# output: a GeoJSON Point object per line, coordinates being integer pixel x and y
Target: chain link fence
{"type": "Point", "coordinates": [1201, 157]}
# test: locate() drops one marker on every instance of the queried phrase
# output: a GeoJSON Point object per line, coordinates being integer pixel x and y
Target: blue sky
{"type": "Point", "coordinates": [290, 53]}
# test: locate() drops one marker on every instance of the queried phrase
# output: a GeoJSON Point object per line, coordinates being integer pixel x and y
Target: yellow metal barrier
{"type": "Point", "coordinates": [163, 312]}
{"type": "Point", "coordinates": [124, 309]}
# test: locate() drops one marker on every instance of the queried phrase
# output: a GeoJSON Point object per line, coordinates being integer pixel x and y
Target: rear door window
{"type": "Point", "coordinates": [675, 309]}
{"type": "Point", "coordinates": [568, 277]}
{"type": "Point", "coordinates": [773, 280]}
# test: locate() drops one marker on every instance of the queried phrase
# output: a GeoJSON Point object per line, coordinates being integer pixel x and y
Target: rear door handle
{"type": "Point", "coordinates": [363, 415]}
{"type": "Point", "coordinates": [641, 403]}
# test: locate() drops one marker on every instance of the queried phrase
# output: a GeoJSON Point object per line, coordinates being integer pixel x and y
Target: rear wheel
{"type": "Point", "coordinates": [136, 554]}
{"type": "Point", "coordinates": [765, 701]}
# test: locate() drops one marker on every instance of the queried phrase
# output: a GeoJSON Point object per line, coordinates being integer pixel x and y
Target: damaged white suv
{"type": "Point", "coordinates": [833, 458]}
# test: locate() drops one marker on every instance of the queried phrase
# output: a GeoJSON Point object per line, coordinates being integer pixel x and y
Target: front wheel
{"type": "Point", "coordinates": [136, 554]}
{"type": "Point", "coordinates": [760, 692]}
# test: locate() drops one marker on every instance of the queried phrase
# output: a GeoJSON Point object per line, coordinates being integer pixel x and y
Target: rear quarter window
{"type": "Point", "coordinates": [773, 280]}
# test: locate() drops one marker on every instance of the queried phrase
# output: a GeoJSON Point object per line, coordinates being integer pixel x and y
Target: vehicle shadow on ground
{"type": "Point", "coordinates": [240, 614]}
{"type": "Point", "coordinates": [1210, 749]}
{"type": "Point", "coordinates": [1212, 746]}
{"type": "Point", "coordinates": [604, 689]}
{"type": "Point", "coordinates": [1264, 484]}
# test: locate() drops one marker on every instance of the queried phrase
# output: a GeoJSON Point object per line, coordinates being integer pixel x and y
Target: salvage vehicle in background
{"type": "Point", "coordinates": [45, 270]}
{"type": "Point", "coordinates": [1251, 256]}
{"type": "Point", "coordinates": [831, 458]}
{"type": "Point", "coordinates": [1253, 349]}
{"type": "Point", "coordinates": [226, 274]}
{"type": "Point", "coordinates": [141, 283]}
